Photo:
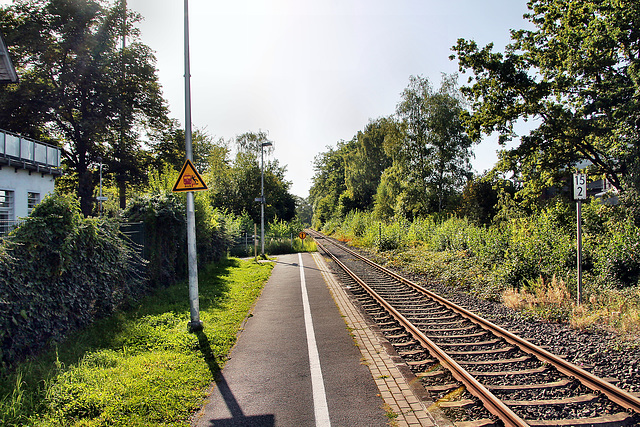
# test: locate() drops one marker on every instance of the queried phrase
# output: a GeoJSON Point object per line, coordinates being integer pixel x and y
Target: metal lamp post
{"type": "Point", "coordinates": [264, 144]}
{"type": "Point", "coordinates": [194, 301]}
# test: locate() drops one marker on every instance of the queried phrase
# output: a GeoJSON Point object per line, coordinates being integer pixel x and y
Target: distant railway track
{"type": "Point", "coordinates": [480, 373]}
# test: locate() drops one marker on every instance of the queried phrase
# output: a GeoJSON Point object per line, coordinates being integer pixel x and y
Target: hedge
{"type": "Point", "coordinates": [58, 272]}
{"type": "Point", "coordinates": [164, 218]}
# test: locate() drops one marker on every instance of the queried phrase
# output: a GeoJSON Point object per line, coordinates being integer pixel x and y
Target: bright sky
{"type": "Point", "coordinates": [312, 73]}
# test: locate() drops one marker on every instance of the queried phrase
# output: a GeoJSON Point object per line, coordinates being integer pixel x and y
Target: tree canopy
{"type": "Point", "coordinates": [234, 182]}
{"type": "Point", "coordinates": [78, 86]}
{"type": "Point", "coordinates": [410, 164]}
{"type": "Point", "coordinates": [434, 151]}
{"type": "Point", "coordinates": [577, 73]}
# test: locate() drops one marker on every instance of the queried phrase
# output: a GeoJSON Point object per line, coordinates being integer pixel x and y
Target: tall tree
{"type": "Point", "coordinates": [389, 198]}
{"type": "Point", "coordinates": [168, 147]}
{"type": "Point", "coordinates": [246, 176]}
{"type": "Point", "coordinates": [73, 88]}
{"type": "Point", "coordinates": [328, 184]}
{"type": "Point", "coordinates": [434, 151]}
{"type": "Point", "coordinates": [138, 95]}
{"type": "Point", "coordinates": [577, 73]}
{"type": "Point", "coordinates": [304, 211]}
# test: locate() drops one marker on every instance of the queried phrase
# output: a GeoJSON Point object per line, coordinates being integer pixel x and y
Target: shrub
{"type": "Point", "coordinates": [59, 272]}
{"type": "Point", "coordinates": [355, 223]}
{"type": "Point", "coordinates": [451, 235]}
{"type": "Point", "coordinates": [281, 229]}
{"type": "Point", "coordinates": [619, 259]}
{"type": "Point", "coordinates": [420, 230]}
{"type": "Point", "coordinates": [388, 239]}
{"type": "Point", "coordinates": [212, 238]}
{"type": "Point", "coordinates": [164, 221]}
{"type": "Point", "coordinates": [537, 246]}
{"type": "Point", "coordinates": [165, 227]}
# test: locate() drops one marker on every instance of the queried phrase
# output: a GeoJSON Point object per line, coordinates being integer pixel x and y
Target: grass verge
{"type": "Point", "coordinates": [139, 367]}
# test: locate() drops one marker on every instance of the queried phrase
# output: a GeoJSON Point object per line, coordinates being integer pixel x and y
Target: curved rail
{"type": "Point", "coordinates": [491, 402]}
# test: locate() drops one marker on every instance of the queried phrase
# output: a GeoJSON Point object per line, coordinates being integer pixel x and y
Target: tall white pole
{"type": "Point", "coordinates": [194, 302]}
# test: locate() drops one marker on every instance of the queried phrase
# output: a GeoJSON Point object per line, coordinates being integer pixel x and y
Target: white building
{"type": "Point", "coordinates": [28, 169]}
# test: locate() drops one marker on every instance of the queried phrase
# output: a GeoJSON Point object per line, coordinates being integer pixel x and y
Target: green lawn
{"type": "Point", "coordinates": [140, 367]}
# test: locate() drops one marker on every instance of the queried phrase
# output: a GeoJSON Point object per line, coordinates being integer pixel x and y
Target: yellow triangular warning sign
{"type": "Point", "coordinates": [189, 179]}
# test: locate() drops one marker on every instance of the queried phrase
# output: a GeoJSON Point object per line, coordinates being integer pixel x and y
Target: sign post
{"type": "Point", "coordinates": [579, 194]}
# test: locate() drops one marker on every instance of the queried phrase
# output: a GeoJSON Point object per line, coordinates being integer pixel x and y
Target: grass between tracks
{"type": "Point", "coordinates": [139, 367]}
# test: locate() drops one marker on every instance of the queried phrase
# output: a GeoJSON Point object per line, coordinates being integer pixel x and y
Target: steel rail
{"type": "Point", "coordinates": [490, 401]}
{"type": "Point", "coordinates": [615, 394]}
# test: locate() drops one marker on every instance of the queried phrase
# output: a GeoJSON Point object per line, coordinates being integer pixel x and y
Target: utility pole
{"type": "Point", "coordinates": [194, 301]}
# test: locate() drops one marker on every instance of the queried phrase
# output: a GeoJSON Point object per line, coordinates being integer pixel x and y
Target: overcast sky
{"type": "Point", "coordinates": [312, 73]}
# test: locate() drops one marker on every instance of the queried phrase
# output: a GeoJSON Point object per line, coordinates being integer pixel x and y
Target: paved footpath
{"type": "Point", "coordinates": [297, 363]}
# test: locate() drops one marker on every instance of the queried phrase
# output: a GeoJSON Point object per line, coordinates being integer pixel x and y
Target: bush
{"type": "Point", "coordinates": [537, 246]}
{"type": "Point", "coordinates": [451, 235]}
{"type": "Point", "coordinates": [59, 272]}
{"type": "Point", "coordinates": [520, 251]}
{"type": "Point", "coordinates": [281, 229]}
{"type": "Point", "coordinates": [165, 231]}
{"type": "Point", "coordinates": [420, 230]}
{"type": "Point", "coordinates": [165, 227]}
{"type": "Point", "coordinates": [355, 223]}
{"type": "Point", "coordinates": [619, 259]}
{"type": "Point", "coordinates": [524, 254]}
{"type": "Point", "coordinates": [212, 238]}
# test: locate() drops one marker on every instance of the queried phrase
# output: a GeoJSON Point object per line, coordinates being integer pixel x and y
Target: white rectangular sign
{"type": "Point", "coordinates": [579, 186]}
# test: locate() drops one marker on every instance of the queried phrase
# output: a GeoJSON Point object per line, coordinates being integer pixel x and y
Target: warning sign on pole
{"type": "Point", "coordinates": [189, 179]}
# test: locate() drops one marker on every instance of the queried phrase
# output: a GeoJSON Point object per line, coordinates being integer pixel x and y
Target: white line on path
{"type": "Point", "coordinates": [321, 409]}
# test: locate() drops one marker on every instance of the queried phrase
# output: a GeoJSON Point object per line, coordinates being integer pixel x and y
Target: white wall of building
{"type": "Point", "coordinates": [21, 182]}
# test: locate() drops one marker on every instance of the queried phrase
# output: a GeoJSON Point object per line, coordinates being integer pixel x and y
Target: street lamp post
{"type": "Point", "coordinates": [264, 144]}
{"type": "Point", "coordinates": [195, 324]}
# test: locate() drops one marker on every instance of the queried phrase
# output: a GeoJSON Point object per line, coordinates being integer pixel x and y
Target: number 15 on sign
{"type": "Point", "coordinates": [579, 186]}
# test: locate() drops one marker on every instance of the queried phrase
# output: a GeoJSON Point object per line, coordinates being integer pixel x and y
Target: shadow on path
{"type": "Point", "coordinates": [295, 264]}
{"type": "Point", "coordinates": [237, 416]}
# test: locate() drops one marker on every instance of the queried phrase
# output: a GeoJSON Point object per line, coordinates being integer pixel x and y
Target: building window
{"type": "Point", "coordinates": [6, 211]}
{"type": "Point", "coordinates": [32, 200]}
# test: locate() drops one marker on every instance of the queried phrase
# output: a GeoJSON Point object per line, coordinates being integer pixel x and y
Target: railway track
{"type": "Point", "coordinates": [479, 373]}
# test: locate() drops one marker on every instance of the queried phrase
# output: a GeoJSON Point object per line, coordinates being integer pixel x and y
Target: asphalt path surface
{"type": "Point", "coordinates": [295, 363]}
